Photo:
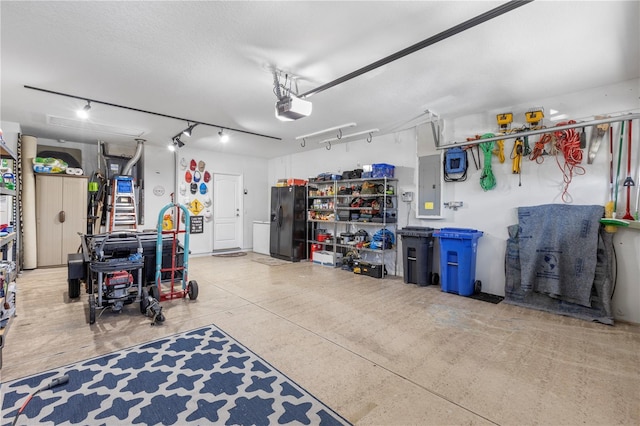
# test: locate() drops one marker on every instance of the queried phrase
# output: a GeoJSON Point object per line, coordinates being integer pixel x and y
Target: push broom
{"type": "Point", "coordinates": [610, 220]}
{"type": "Point", "coordinates": [616, 189]}
{"type": "Point", "coordinates": [628, 182]}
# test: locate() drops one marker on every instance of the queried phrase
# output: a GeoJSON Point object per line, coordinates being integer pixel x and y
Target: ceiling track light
{"type": "Point", "coordinates": [176, 142]}
{"type": "Point", "coordinates": [84, 112]}
{"type": "Point", "coordinates": [147, 112]}
{"type": "Point", "coordinates": [189, 129]}
{"type": "Point", "coordinates": [370, 132]}
{"type": "Point", "coordinates": [330, 129]}
{"type": "Point", "coordinates": [224, 137]}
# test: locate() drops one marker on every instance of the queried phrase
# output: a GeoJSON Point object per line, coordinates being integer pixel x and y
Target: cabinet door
{"type": "Point", "coordinates": [48, 225]}
{"type": "Point", "coordinates": [74, 199]}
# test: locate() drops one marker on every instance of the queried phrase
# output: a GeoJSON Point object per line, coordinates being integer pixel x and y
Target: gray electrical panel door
{"type": "Point", "coordinates": [429, 200]}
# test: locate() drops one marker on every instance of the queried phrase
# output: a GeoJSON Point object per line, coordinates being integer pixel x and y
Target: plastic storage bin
{"type": "Point", "coordinates": [382, 170]}
{"type": "Point", "coordinates": [417, 255]}
{"type": "Point", "coordinates": [458, 249]}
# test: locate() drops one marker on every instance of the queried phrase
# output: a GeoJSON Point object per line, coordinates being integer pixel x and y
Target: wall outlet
{"type": "Point", "coordinates": [407, 196]}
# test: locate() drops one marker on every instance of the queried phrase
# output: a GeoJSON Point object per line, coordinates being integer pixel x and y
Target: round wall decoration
{"type": "Point", "coordinates": [158, 190]}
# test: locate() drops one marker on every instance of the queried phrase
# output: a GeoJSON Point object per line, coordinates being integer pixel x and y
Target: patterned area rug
{"type": "Point", "coordinates": [233, 254]}
{"type": "Point", "coordinates": [271, 261]}
{"type": "Point", "coordinates": [198, 377]}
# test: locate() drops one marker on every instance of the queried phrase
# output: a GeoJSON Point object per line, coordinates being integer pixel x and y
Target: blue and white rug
{"type": "Point", "coordinates": [201, 377]}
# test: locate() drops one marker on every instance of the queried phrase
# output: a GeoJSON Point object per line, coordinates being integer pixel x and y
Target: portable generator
{"type": "Point", "coordinates": [117, 286]}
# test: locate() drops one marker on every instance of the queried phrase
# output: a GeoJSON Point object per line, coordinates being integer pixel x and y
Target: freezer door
{"type": "Point", "coordinates": [276, 215]}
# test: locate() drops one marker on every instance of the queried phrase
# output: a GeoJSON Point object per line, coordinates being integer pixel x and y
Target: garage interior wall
{"type": "Point", "coordinates": [492, 211]}
{"type": "Point", "coordinates": [252, 169]}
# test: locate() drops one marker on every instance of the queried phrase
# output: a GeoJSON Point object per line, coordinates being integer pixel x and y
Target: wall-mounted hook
{"type": "Point", "coordinates": [339, 135]}
{"type": "Point", "coordinates": [328, 146]}
{"type": "Point", "coordinates": [303, 143]}
{"type": "Point", "coordinates": [369, 138]}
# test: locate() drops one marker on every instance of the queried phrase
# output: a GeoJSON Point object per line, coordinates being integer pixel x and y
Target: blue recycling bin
{"type": "Point", "coordinates": [458, 249]}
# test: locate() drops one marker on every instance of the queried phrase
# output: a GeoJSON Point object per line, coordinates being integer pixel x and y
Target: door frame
{"type": "Point", "coordinates": [240, 199]}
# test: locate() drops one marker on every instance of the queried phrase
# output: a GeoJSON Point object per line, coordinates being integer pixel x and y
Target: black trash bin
{"type": "Point", "coordinates": [417, 255]}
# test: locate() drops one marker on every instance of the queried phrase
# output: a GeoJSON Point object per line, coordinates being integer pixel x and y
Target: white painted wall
{"type": "Point", "coordinates": [160, 169]}
{"type": "Point", "coordinates": [10, 132]}
{"type": "Point", "coordinates": [255, 202]}
{"type": "Point", "coordinates": [491, 212]}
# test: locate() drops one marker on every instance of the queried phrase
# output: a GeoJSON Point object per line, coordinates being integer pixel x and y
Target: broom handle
{"type": "Point", "coordinates": [610, 163]}
{"type": "Point", "coordinates": [629, 150]}
{"type": "Point", "coordinates": [615, 202]}
{"type": "Point", "coordinates": [628, 181]}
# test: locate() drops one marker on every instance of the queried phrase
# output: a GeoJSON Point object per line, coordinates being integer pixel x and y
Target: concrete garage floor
{"type": "Point", "coordinates": [377, 351]}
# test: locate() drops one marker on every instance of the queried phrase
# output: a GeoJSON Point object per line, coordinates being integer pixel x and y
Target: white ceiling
{"type": "Point", "coordinates": [211, 62]}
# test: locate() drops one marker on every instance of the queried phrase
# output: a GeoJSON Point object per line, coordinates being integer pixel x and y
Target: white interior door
{"type": "Point", "coordinates": [227, 212]}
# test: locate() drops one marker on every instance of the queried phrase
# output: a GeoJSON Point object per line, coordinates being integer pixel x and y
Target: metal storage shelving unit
{"type": "Point", "coordinates": [329, 208]}
{"type": "Point", "coordinates": [8, 249]}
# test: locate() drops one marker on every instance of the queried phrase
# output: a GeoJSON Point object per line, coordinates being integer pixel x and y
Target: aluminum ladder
{"type": "Point", "coordinates": [123, 210]}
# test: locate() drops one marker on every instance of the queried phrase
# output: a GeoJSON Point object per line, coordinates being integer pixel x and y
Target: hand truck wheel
{"type": "Point", "coordinates": [92, 310]}
{"type": "Point", "coordinates": [155, 292]}
{"type": "Point", "coordinates": [192, 289]}
{"type": "Point", "coordinates": [144, 301]}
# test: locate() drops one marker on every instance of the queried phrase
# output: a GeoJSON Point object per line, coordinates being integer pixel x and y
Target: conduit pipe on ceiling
{"type": "Point", "coordinates": [127, 168]}
{"type": "Point", "coordinates": [493, 13]}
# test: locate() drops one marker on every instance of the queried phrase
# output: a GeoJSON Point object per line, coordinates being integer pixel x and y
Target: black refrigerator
{"type": "Point", "coordinates": [288, 223]}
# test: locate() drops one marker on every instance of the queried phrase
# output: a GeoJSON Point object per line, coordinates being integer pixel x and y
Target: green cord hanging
{"type": "Point", "coordinates": [527, 148]}
{"type": "Point", "coordinates": [487, 180]}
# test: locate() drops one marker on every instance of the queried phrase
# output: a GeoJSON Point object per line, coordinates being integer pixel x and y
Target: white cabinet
{"type": "Point", "coordinates": [61, 213]}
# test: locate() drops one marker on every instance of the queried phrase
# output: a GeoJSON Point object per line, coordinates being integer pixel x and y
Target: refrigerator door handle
{"type": "Point", "coordinates": [280, 216]}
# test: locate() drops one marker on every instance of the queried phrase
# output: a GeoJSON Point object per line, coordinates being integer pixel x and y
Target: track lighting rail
{"type": "Point", "coordinates": [516, 135]}
{"type": "Point", "coordinates": [188, 120]}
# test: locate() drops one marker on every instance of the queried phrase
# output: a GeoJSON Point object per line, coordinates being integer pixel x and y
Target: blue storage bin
{"type": "Point", "coordinates": [382, 170]}
{"type": "Point", "coordinates": [458, 249]}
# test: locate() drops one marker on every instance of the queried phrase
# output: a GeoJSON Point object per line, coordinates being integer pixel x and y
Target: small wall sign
{"type": "Point", "coordinates": [196, 225]}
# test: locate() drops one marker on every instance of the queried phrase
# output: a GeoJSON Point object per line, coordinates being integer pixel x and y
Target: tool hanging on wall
{"type": "Point", "coordinates": [504, 121]}
{"type": "Point", "coordinates": [526, 149]}
{"type": "Point", "coordinates": [628, 182]}
{"type": "Point", "coordinates": [615, 198]}
{"type": "Point", "coordinates": [499, 151]}
{"type": "Point", "coordinates": [637, 190]}
{"type": "Point", "coordinates": [476, 162]}
{"type": "Point", "coordinates": [609, 206]}
{"type": "Point", "coordinates": [597, 134]}
{"type": "Point", "coordinates": [487, 179]}
{"type": "Point", "coordinates": [568, 143]}
{"type": "Point", "coordinates": [455, 165]}
{"type": "Point", "coordinates": [516, 159]}
{"type": "Point", "coordinates": [534, 118]}
{"type": "Point", "coordinates": [539, 152]}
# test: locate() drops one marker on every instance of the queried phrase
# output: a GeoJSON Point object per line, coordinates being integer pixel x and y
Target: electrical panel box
{"type": "Point", "coordinates": [429, 202]}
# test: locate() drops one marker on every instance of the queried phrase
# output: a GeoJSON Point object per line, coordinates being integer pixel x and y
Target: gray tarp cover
{"type": "Point", "coordinates": [558, 259]}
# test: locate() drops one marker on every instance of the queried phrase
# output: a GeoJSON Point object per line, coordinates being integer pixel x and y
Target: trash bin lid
{"type": "Point", "coordinates": [458, 233]}
{"type": "Point", "coordinates": [415, 231]}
